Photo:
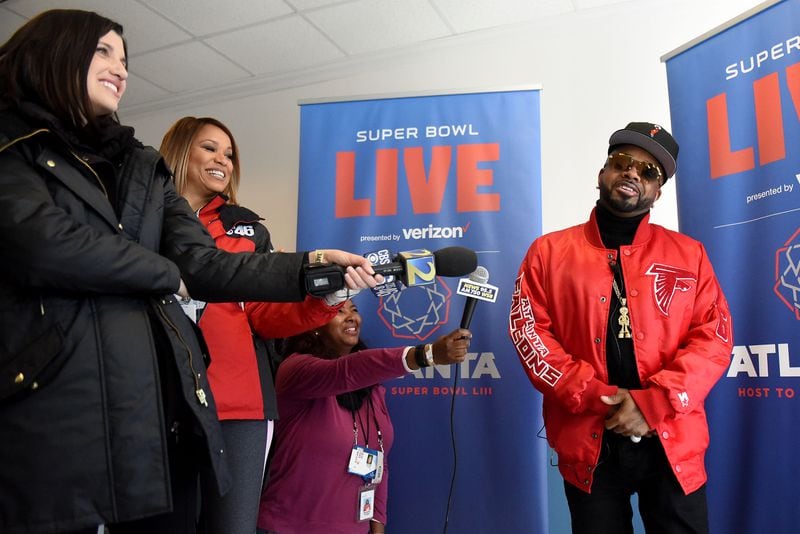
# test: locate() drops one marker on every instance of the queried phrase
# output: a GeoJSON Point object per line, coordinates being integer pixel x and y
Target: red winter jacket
{"type": "Point", "coordinates": [239, 373]}
{"type": "Point", "coordinates": [682, 339]}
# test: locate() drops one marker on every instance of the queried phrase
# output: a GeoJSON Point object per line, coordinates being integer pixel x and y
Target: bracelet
{"type": "Point", "coordinates": [419, 356]}
{"type": "Point", "coordinates": [429, 354]}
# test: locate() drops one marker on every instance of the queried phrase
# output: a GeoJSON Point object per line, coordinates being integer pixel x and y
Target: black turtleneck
{"type": "Point", "coordinates": [616, 231]}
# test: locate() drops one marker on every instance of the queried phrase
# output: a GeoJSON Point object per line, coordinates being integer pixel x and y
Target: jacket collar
{"type": "Point", "coordinates": [209, 211]}
{"type": "Point", "coordinates": [592, 231]}
{"type": "Point", "coordinates": [60, 164]}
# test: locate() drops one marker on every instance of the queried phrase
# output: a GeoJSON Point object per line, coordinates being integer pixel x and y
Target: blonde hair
{"type": "Point", "coordinates": [177, 144]}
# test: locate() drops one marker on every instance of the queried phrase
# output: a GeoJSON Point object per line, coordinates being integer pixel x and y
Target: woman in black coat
{"type": "Point", "coordinates": [105, 409]}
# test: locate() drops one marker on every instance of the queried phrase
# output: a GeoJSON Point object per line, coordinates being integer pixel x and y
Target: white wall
{"type": "Point", "coordinates": [598, 70]}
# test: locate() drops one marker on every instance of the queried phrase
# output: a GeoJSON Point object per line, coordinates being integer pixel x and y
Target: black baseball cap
{"type": "Point", "coordinates": [651, 137]}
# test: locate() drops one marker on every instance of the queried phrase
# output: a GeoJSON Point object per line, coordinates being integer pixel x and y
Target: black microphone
{"type": "Point", "coordinates": [455, 261]}
{"type": "Point", "coordinates": [421, 267]}
{"type": "Point", "coordinates": [413, 268]}
{"type": "Point", "coordinates": [480, 276]}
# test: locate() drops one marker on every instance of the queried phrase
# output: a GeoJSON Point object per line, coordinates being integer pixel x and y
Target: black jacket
{"type": "Point", "coordinates": [89, 328]}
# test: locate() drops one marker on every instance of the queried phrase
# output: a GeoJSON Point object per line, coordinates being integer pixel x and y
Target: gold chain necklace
{"type": "Point", "coordinates": [624, 321]}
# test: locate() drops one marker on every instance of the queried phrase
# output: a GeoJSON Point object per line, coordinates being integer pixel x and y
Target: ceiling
{"type": "Point", "coordinates": [184, 50]}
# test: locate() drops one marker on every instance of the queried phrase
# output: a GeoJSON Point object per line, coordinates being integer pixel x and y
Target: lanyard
{"type": "Point", "coordinates": [370, 409]}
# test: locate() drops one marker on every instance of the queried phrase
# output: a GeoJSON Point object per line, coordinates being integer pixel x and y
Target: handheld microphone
{"type": "Point", "coordinates": [420, 267]}
{"type": "Point", "coordinates": [475, 288]}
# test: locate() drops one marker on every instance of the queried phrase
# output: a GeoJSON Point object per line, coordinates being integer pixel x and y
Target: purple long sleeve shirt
{"type": "Point", "coordinates": [309, 490]}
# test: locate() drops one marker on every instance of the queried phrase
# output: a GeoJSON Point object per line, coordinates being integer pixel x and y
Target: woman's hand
{"type": "Point", "coordinates": [452, 348]}
{"type": "Point", "coordinates": [358, 273]}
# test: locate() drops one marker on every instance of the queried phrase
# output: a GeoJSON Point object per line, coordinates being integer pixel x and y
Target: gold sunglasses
{"type": "Point", "coordinates": [620, 161]}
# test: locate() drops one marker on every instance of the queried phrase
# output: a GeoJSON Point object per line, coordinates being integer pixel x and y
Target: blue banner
{"type": "Point", "coordinates": [735, 103]}
{"type": "Point", "coordinates": [390, 175]}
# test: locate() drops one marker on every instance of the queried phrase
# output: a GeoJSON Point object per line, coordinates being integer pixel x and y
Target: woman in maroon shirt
{"type": "Point", "coordinates": [326, 475]}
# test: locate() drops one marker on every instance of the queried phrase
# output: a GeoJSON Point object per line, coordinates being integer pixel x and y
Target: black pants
{"type": "Point", "coordinates": [626, 468]}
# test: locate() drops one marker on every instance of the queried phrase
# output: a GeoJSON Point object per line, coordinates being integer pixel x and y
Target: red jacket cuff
{"type": "Point", "coordinates": [654, 405]}
{"type": "Point", "coordinates": [591, 397]}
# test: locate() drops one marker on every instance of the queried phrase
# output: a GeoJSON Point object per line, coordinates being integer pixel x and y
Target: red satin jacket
{"type": "Point", "coordinates": [682, 338]}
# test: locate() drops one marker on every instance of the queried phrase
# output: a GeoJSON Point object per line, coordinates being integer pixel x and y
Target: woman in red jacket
{"type": "Point", "coordinates": [203, 155]}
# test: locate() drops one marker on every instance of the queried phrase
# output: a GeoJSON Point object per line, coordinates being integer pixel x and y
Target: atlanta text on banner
{"type": "Point", "coordinates": [476, 366]}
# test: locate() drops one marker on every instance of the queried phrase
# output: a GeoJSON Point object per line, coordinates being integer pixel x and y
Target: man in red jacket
{"type": "Point", "coordinates": [623, 328]}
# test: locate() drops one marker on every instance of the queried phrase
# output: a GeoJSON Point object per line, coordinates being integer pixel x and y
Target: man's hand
{"type": "Point", "coordinates": [624, 417]}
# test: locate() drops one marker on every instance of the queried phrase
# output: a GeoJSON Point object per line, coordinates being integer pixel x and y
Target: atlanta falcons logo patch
{"type": "Point", "coordinates": [667, 280]}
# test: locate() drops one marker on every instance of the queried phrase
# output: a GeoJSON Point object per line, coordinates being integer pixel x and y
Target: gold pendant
{"type": "Point", "coordinates": [624, 321]}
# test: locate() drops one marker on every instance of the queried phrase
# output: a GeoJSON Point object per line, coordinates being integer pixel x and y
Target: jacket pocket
{"type": "Point", "coordinates": [21, 371]}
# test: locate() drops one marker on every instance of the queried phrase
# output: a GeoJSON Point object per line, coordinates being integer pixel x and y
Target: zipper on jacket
{"type": "Point", "coordinates": [198, 390]}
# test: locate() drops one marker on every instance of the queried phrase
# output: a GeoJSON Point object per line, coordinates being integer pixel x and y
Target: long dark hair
{"type": "Point", "coordinates": [47, 61]}
{"type": "Point", "coordinates": [312, 343]}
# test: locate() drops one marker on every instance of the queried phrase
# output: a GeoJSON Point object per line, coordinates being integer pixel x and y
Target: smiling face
{"type": "Point", "coordinates": [107, 76]}
{"type": "Point", "coordinates": [623, 191]}
{"type": "Point", "coordinates": [341, 333]}
{"type": "Point", "coordinates": [210, 165]}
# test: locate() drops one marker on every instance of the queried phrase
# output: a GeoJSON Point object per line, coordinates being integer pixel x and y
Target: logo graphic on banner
{"type": "Point", "coordinates": [787, 273]}
{"type": "Point", "coordinates": [405, 319]}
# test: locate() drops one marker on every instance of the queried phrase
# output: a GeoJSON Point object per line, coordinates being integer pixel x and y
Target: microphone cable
{"type": "Point", "coordinates": [455, 449]}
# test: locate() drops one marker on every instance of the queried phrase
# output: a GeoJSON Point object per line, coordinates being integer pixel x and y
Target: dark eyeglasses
{"type": "Point", "coordinates": [621, 162]}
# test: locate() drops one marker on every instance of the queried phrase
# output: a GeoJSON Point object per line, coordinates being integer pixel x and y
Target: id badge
{"type": "Point", "coordinates": [363, 462]}
{"type": "Point", "coordinates": [366, 503]}
{"type": "Point", "coordinates": [378, 468]}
